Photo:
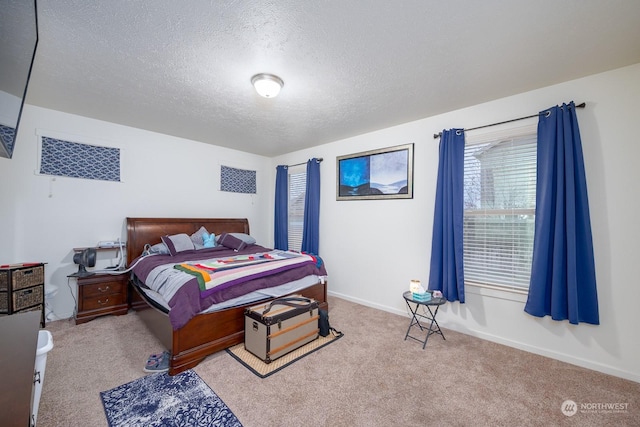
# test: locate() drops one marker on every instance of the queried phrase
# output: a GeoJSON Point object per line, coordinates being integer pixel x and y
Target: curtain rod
{"type": "Point", "coordinates": [304, 163]}
{"type": "Point", "coordinates": [438, 135]}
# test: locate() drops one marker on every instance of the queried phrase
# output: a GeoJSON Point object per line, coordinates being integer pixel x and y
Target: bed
{"type": "Point", "coordinates": [206, 332]}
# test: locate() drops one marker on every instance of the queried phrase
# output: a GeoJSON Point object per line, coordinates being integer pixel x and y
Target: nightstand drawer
{"type": "Point", "coordinates": [102, 301]}
{"type": "Point", "coordinates": [103, 288]}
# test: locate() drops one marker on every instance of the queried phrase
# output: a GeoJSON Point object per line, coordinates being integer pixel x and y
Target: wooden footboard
{"type": "Point", "coordinates": [208, 333]}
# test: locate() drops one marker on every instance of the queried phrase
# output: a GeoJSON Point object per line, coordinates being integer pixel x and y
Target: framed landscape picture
{"type": "Point", "coordinates": [385, 173]}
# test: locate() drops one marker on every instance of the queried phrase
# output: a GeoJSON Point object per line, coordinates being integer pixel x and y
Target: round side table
{"type": "Point", "coordinates": [429, 317]}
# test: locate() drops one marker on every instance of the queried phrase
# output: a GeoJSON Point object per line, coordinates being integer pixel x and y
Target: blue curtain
{"type": "Point", "coordinates": [563, 279]}
{"type": "Point", "coordinates": [446, 272]}
{"type": "Point", "coordinates": [281, 222]}
{"type": "Point", "coordinates": [311, 231]}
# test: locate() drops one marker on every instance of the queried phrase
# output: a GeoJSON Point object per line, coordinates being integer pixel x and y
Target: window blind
{"type": "Point", "coordinates": [297, 191]}
{"type": "Point", "coordinates": [499, 211]}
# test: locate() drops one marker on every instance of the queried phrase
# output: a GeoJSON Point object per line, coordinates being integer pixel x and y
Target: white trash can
{"type": "Point", "coordinates": [45, 344]}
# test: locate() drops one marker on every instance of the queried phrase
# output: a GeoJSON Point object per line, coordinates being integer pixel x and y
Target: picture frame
{"type": "Point", "coordinates": [385, 173]}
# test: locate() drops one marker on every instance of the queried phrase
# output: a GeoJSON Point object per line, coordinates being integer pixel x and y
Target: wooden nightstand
{"type": "Point", "coordinates": [102, 294]}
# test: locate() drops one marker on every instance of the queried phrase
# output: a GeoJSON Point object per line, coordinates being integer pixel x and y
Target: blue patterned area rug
{"type": "Point", "coordinates": [161, 400]}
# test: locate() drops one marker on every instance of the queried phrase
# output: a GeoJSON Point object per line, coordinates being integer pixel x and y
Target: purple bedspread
{"type": "Point", "coordinates": [187, 301]}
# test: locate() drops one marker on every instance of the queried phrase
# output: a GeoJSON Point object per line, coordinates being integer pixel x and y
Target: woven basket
{"type": "Point", "coordinates": [27, 277]}
{"type": "Point", "coordinates": [4, 280]}
{"type": "Point", "coordinates": [4, 302]}
{"type": "Point", "coordinates": [34, 308]}
{"type": "Point", "coordinates": [28, 297]}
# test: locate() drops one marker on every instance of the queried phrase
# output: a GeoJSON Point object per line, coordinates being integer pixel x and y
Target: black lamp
{"type": "Point", "coordinates": [85, 258]}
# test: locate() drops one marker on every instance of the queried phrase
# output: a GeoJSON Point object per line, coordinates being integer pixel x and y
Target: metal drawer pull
{"type": "Point", "coordinates": [105, 302]}
{"type": "Point", "coordinates": [103, 289]}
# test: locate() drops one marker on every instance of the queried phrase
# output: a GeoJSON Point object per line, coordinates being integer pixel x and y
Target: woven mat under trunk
{"type": "Point", "coordinates": [263, 370]}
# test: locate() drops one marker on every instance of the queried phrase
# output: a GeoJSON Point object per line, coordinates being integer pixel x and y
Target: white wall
{"type": "Point", "coordinates": [373, 248]}
{"type": "Point", "coordinates": [43, 218]}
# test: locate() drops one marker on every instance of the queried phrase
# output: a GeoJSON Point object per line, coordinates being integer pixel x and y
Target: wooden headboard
{"type": "Point", "coordinates": [141, 231]}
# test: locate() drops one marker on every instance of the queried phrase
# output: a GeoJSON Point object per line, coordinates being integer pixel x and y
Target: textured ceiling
{"type": "Point", "coordinates": [183, 68]}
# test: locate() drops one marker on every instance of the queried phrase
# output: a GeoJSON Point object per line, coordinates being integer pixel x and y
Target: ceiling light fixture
{"type": "Point", "coordinates": [267, 85]}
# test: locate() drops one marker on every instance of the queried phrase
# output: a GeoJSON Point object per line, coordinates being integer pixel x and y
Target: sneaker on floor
{"type": "Point", "coordinates": [158, 355]}
{"type": "Point", "coordinates": [157, 364]}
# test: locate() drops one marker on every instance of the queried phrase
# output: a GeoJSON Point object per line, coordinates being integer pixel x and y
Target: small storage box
{"type": "Point", "coordinates": [4, 280]}
{"type": "Point", "coordinates": [4, 302]}
{"type": "Point", "coordinates": [274, 329]}
{"type": "Point", "coordinates": [27, 277]}
{"type": "Point", "coordinates": [28, 297]}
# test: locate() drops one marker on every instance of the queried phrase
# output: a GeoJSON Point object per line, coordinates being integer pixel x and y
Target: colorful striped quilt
{"type": "Point", "coordinates": [223, 272]}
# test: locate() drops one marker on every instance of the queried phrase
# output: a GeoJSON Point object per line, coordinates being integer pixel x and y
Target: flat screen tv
{"type": "Point", "coordinates": [18, 42]}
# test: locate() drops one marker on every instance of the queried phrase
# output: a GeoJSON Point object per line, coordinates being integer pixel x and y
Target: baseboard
{"type": "Point", "coordinates": [368, 303]}
{"type": "Point", "coordinates": [584, 363]}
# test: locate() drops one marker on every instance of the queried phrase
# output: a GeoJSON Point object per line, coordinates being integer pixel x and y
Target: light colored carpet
{"type": "Point", "coordinates": [369, 377]}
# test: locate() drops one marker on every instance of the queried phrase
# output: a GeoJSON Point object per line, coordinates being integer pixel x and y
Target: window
{"type": "Point", "coordinates": [499, 208]}
{"type": "Point", "coordinates": [297, 191]}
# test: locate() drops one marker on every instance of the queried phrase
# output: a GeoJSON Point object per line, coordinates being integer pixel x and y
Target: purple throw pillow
{"type": "Point", "coordinates": [231, 242]}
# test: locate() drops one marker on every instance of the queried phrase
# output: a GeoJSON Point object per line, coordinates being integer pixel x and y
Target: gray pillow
{"type": "Point", "coordinates": [247, 239]}
{"type": "Point", "coordinates": [159, 248]}
{"type": "Point", "coordinates": [197, 239]}
{"type": "Point", "coordinates": [178, 243]}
